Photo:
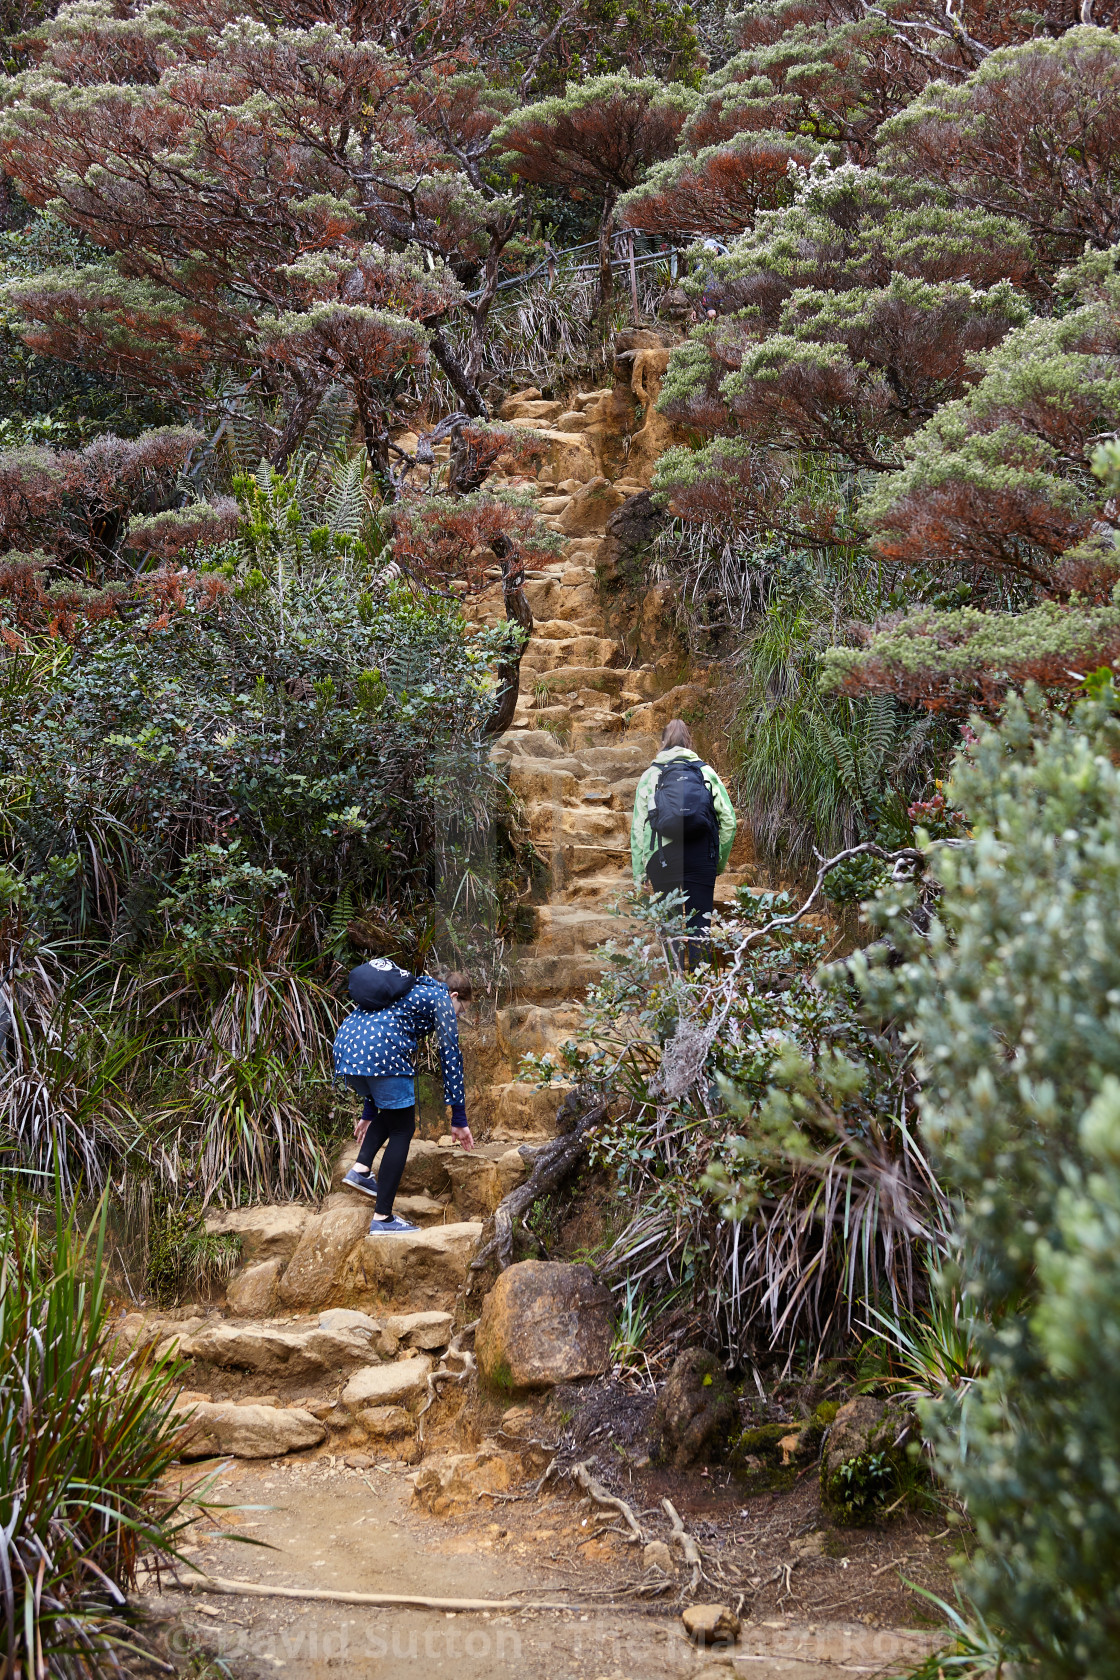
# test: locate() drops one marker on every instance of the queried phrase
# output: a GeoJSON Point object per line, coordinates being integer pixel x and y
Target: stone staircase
{"type": "Point", "coordinates": [328, 1334]}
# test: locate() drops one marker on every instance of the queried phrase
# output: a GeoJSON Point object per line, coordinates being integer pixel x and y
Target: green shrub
{"type": "Point", "coordinates": [1015, 1006]}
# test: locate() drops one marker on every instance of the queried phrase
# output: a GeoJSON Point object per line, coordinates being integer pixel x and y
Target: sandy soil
{"type": "Point", "coordinates": [815, 1602]}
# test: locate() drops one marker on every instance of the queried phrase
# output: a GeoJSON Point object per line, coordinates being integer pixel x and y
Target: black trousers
{"type": "Point", "coordinates": [392, 1127]}
{"type": "Point", "coordinates": [688, 867]}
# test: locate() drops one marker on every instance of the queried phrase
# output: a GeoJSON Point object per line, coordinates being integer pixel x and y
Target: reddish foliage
{"type": "Point", "coordinates": [75, 502]}
{"type": "Point", "coordinates": [1036, 134]}
{"type": "Point", "coordinates": [59, 605]}
{"type": "Point", "coordinates": [594, 144]}
{"type": "Point", "coordinates": [721, 191]}
{"type": "Point", "coordinates": [441, 540]}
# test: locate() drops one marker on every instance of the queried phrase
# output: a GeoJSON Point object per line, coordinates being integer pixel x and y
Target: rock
{"type": "Point", "coordinates": [589, 510]}
{"type": "Point", "coordinates": [544, 1322]}
{"type": "Point", "coordinates": [459, 1478]}
{"type": "Point", "coordinates": [695, 1410]}
{"type": "Point", "coordinates": [388, 1385]}
{"type": "Point", "coordinates": [569, 456]}
{"type": "Point", "coordinates": [515, 399]}
{"type": "Point", "coordinates": [324, 1247]}
{"type": "Point", "coordinates": [674, 304]}
{"type": "Point", "coordinates": [475, 1185]}
{"type": "Point", "coordinates": [255, 1291]}
{"type": "Point", "coordinates": [129, 1330]}
{"type": "Point", "coordinates": [658, 1556]}
{"type": "Point", "coordinates": [341, 1321]}
{"type": "Point", "coordinates": [656, 434]}
{"type": "Point", "coordinates": [249, 1431]}
{"type": "Point", "coordinates": [426, 1266]}
{"type": "Point", "coordinates": [422, 1209]}
{"type": "Point", "coordinates": [711, 1624]}
{"type": "Point", "coordinates": [518, 1422]}
{"type": "Point", "coordinates": [537, 409]}
{"type": "Point", "coordinates": [358, 1461]}
{"type": "Point", "coordinates": [631, 529]}
{"type": "Point", "coordinates": [383, 1423]}
{"type": "Point", "coordinates": [273, 1352]}
{"type": "Point", "coordinates": [864, 1457]}
{"type": "Point", "coordinates": [415, 1330]}
{"type": "Point", "coordinates": [267, 1233]}
{"type": "Point", "coordinates": [425, 1171]}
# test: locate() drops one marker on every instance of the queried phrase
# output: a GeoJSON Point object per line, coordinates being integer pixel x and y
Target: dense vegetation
{"type": "Point", "coordinates": [268, 273]}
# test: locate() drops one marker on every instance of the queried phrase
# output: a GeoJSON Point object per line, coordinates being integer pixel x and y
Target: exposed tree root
{"type": "Point", "coordinates": [680, 1538]}
{"type": "Point", "coordinates": [553, 1163]}
{"type": "Point", "coordinates": [597, 1492]}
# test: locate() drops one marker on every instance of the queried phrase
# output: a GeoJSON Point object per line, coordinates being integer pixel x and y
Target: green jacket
{"type": "Point", "coordinates": [641, 835]}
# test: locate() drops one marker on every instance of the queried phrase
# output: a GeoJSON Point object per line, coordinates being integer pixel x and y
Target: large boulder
{"type": "Point", "coordinates": [422, 1269]}
{"type": "Point", "coordinates": [266, 1233]}
{"type": "Point", "coordinates": [695, 1410]}
{"type": "Point", "coordinates": [324, 1246]}
{"type": "Point", "coordinates": [544, 1322]}
{"type": "Point", "coordinates": [339, 1341]}
{"type": "Point", "coordinates": [213, 1430]}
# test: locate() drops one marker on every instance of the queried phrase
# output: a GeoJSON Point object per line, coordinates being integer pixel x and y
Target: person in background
{"type": "Point", "coordinates": [683, 827]}
{"type": "Point", "coordinates": [375, 1052]}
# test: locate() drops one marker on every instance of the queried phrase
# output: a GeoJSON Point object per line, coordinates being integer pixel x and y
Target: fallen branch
{"type": "Point", "coordinates": [330, 1595]}
{"type": "Point", "coordinates": [681, 1538]}
{"type": "Point", "coordinates": [552, 1165]}
{"type": "Point", "coordinates": [597, 1492]}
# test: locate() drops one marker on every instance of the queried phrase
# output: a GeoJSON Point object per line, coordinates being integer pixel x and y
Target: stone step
{"type": "Point", "coordinates": [568, 929]}
{"type": "Point", "coordinates": [519, 1110]}
{"type": "Point", "coordinates": [597, 887]}
{"type": "Point", "coordinates": [585, 654]}
{"type": "Point", "coordinates": [524, 1028]}
{"type": "Point", "coordinates": [563, 629]}
{"type": "Point", "coordinates": [537, 979]}
{"type": "Point", "coordinates": [555, 825]}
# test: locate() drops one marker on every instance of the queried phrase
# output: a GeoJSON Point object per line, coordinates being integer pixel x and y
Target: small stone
{"type": "Point", "coordinates": [517, 1422]}
{"type": "Point", "coordinates": [711, 1624]}
{"type": "Point", "coordinates": [358, 1461]}
{"type": "Point", "coordinates": [387, 1385]}
{"type": "Point", "coordinates": [382, 1423]}
{"type": "Point", "coordinates": [658, 1556]}
{"type": "Point", "coordinates": [425, 1330]}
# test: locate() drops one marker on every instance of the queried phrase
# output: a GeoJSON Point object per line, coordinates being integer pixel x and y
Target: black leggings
{"type": "Point", "coordinates": [392, 1127]}
{"type": "Point", "coordinates": [689, 869]}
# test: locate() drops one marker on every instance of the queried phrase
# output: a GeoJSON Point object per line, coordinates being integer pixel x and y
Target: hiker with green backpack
{"type": "Point", "coordinates": [375, 1053]}
{"type": "Point", "coordinates": [683, 828]}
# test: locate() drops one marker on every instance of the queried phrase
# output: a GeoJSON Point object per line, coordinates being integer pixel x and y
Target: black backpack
{"type": "Point", "coordinates": [379, 983]}
{"type": "Point", "coordinates": [683, 807]}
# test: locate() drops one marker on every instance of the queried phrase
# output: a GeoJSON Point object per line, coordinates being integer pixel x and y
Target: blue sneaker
{"type": "Point", "coordinates": [376, 1226]}
{"type": "Point", "coordinates": [357, 1180]}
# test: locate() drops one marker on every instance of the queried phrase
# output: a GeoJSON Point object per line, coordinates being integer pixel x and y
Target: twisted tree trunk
{"type": "Point", "coordinates": [519, 612]}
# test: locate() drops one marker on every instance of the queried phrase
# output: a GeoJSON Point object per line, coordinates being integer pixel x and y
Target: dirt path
{"type": "Point", "coordinates": [297, 1326]}
{"type": "Point", "coordinates": [356, 1530]}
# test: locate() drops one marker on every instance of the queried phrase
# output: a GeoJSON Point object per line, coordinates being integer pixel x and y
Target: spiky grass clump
{"type": "Point", "coordinates": [84, 1444]}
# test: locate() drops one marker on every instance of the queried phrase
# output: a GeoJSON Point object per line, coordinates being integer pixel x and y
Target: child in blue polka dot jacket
{"type": "Point", "coordinates": [375, 1053]}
